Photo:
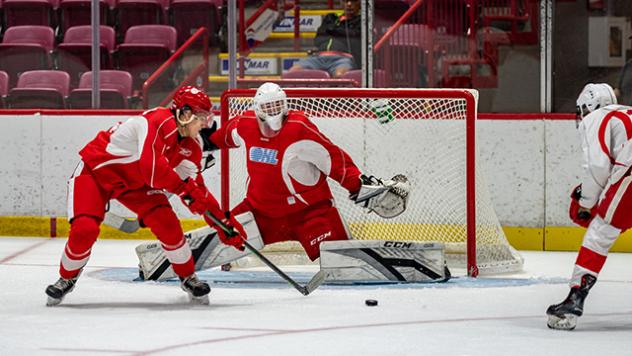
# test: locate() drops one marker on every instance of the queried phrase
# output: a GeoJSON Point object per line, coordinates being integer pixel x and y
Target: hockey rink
{"type": "Point", "coordinates": [255, 313]}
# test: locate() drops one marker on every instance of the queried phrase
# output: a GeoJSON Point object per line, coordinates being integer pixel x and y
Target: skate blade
{"type": "Point", "coordinates": [203, 300]}
{"type": "Point", "coordinates": [51, 302]}
{"type": "Point", "coordinates": [565, 322]}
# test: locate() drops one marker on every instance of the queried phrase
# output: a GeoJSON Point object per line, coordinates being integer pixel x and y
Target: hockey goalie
{"type": "Point", "coordinates": [288, 199]}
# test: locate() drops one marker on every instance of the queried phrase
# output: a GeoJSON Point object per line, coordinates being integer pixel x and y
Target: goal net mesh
{"type": "Point", "coordinates": [418, 133]}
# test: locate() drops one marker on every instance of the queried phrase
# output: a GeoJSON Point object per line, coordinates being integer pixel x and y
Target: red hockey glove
{"type": "Point", "coordinates": [232, 224]}
{"type": "Point", "coordinates": [580, 215]}
{"type": "Point", "coordinates": [197, 198]}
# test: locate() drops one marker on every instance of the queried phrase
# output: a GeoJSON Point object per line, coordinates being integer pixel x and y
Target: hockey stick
{"type": "Point", "coordinates": [314, 283]}
{"type": "Point", "coordinates": [129, 226]}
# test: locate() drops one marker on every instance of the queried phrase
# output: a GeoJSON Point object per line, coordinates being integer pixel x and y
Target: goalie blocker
{"type": "Point", "coordinates": [377, 260]}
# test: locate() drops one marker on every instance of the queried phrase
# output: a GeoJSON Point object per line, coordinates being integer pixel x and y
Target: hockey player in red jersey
{"type": "Point", "coordinates": [288, 163]}
{"type": "Point", "coordinates": [603, 201]}
{"type": "Point", "coordinates": [136, 162]}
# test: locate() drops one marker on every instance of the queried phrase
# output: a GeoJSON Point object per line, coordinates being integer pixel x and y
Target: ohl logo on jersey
{"type": "Point", "coordinates": [264, 155]}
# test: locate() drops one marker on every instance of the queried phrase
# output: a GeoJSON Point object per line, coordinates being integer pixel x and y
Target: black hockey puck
{"type": "Point", "coordinates": [370, 302]}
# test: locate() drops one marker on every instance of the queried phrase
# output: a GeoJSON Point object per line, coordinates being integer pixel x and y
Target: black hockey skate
{"type": "Point", "coordinates": [56, 292]}
{"type": "Point", "coordinates": [563, 316]}
{"type": "Point", "coordinates": [197, 290]}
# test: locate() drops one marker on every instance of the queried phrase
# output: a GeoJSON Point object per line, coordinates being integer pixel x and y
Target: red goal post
{"type": "Point", "coordinates": [427, 134]}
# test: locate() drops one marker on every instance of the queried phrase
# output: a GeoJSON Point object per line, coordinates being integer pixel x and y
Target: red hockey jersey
{"type": "Point", "coordinates": [288, 172]}
{"type": "Point", "coordinates": [144, 150]}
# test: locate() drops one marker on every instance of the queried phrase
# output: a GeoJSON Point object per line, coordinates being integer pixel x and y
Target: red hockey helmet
{"type": "Point", "coordinates": [195, 99]}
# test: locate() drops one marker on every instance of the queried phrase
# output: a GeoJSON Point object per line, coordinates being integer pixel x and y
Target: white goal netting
{"type": "Point", "coordinates": [420, 133]}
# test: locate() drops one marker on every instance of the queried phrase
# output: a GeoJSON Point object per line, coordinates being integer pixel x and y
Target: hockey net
{"type": "Point", "coordinates": [430, 138]}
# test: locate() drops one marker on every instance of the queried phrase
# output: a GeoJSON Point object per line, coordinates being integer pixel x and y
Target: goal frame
{"type": "Point", "coordinates": [470, 138]}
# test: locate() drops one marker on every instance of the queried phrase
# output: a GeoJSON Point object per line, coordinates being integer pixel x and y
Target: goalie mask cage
{"type": "Point", "coordinates": [430, 138]}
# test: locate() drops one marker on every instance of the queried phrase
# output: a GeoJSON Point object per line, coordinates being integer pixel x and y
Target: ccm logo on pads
{"type": "Point", "coordinates": [263, 155]}
{"type": "Point", "coordinates": [320, 238]}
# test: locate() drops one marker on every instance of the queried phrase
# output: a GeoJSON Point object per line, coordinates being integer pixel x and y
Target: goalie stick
{"type": "Point", "coordinates": [314, 283]}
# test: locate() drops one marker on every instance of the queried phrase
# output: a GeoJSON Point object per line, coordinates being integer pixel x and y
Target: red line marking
{"type": "Point", "coordinates": [359, 326]}
{"type": "Point", "coordinates": [23, 251]}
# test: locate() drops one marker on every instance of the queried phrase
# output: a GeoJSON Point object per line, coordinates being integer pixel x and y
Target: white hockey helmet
{"type": "Point", "coordinates": [270, 104]}
{"type": "Point", "coordinates": [593, 97]}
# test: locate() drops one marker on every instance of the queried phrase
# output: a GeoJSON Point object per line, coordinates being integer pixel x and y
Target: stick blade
{"type": "Point", "coordinates": [315, 282]}
{"type": "Point", "coordinates": [126, 225]}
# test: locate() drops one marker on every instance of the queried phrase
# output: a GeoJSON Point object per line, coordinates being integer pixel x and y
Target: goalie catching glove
{"type": "Point", "coordinates": [386, 198]}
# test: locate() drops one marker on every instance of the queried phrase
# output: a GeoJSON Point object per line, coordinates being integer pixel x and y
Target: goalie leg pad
{"type": "Point", "coordinates": [378, 260]}
{"type": "Point", "coordinates": [206, 248]}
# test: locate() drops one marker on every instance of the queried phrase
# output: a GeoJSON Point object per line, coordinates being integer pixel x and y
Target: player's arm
{"type": "Point", "coordinates": [154, 166]}
{"type": "Point", "coordinates": [330, 159]}
{"type": "Point", "coordinates": [387, 198]}
{"type": "Point", "coordinates": [226, 136]}
{"type": "Point", "coordinates": [597, 164]}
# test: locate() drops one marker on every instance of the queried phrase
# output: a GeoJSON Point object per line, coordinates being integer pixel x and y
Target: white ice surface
{"type": "Point", "coordinates": [105, 317]}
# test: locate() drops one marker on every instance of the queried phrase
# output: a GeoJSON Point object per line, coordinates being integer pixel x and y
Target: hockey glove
{"type": "Point", "coordinates": [197, 198]}
{"type": "Point", "coordinates": [580, 215]}
{"type": "Point", "coordinates": [234, 239]}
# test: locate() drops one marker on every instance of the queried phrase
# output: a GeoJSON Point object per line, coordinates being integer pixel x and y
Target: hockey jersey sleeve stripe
{"type": "Point", "coordinates": [627, 123]}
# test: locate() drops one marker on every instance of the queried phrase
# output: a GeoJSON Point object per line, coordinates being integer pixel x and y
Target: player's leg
{"type": "Point", "coordinates": [154, 212]}
{"type": "Point", "coordinates": [310, 62]}
{"type": "Point", "coordinates": [320, 223]}
{"type": "Point", "coordinates": [208, 251]}
{"type": "Point", "coordinates": [340, 65]}
{"type": "Point", "coordinates": [86, 208]}
{"type": "Point", "coordinates": [613, 218]}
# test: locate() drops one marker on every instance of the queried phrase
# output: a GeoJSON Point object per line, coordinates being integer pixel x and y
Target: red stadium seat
{"type": "Point", "coordinates": [306, 74]}
{"type": "Point", "coordinates": [4, 88]}
{"type": "Point", "coordinates": [189, 15]}
{"type": "Point", "coordinates": [116, 90]}
{"type": "Point", "coordinates": [29, 12]}
{"type": "Point", "coordinates": [26, 48]}
{"type": "Point", "coordinates": [356, 74]}
{"type": "Point", "coordinates": [145, 48]}
{"type": "Point", "coordinates": [77, 13]}
{"type": "Point", "coordinates": [74, 55]}
{"type": "Point", "coordinates": [46, 89]}
{"type": "Point", "coordinates": [138, 12]}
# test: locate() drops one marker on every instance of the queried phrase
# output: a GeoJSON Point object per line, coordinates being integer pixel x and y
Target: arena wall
{"type": "Point", "coordinates": [531, 161]}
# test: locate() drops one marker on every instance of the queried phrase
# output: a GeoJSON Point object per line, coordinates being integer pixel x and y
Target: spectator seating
{"type": "Point", "coordinates": [306, 74]}
{"type": "Point", "coordinates": [355, 74]}
{"type": "Point", "coordinates": [145, 48]}
{"type": "Point", "coordinates": [379, 77]}
{"type": "Point", "coordinates": [138, 12]}
{"type": "Point", "coordinates": [189, 15]}
{"type": "Point", "coordinates": [77, 13]}
{"type": "Point", "coordinates": [29, 12]}
{"type": "Point", "coordinates": [46, 89]}
{"type": "Point", "coordinates": [116, 91]}
{"type": "Point", "coordinates": [26, 48]}
{"type": "Point", "coordinates": [4, 88]}
{"type": "Point", "coordinates": [74, 55]}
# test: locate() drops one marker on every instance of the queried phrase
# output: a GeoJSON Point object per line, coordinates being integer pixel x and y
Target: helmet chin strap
{"type": "Point", "coordinates": [180, 124]}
